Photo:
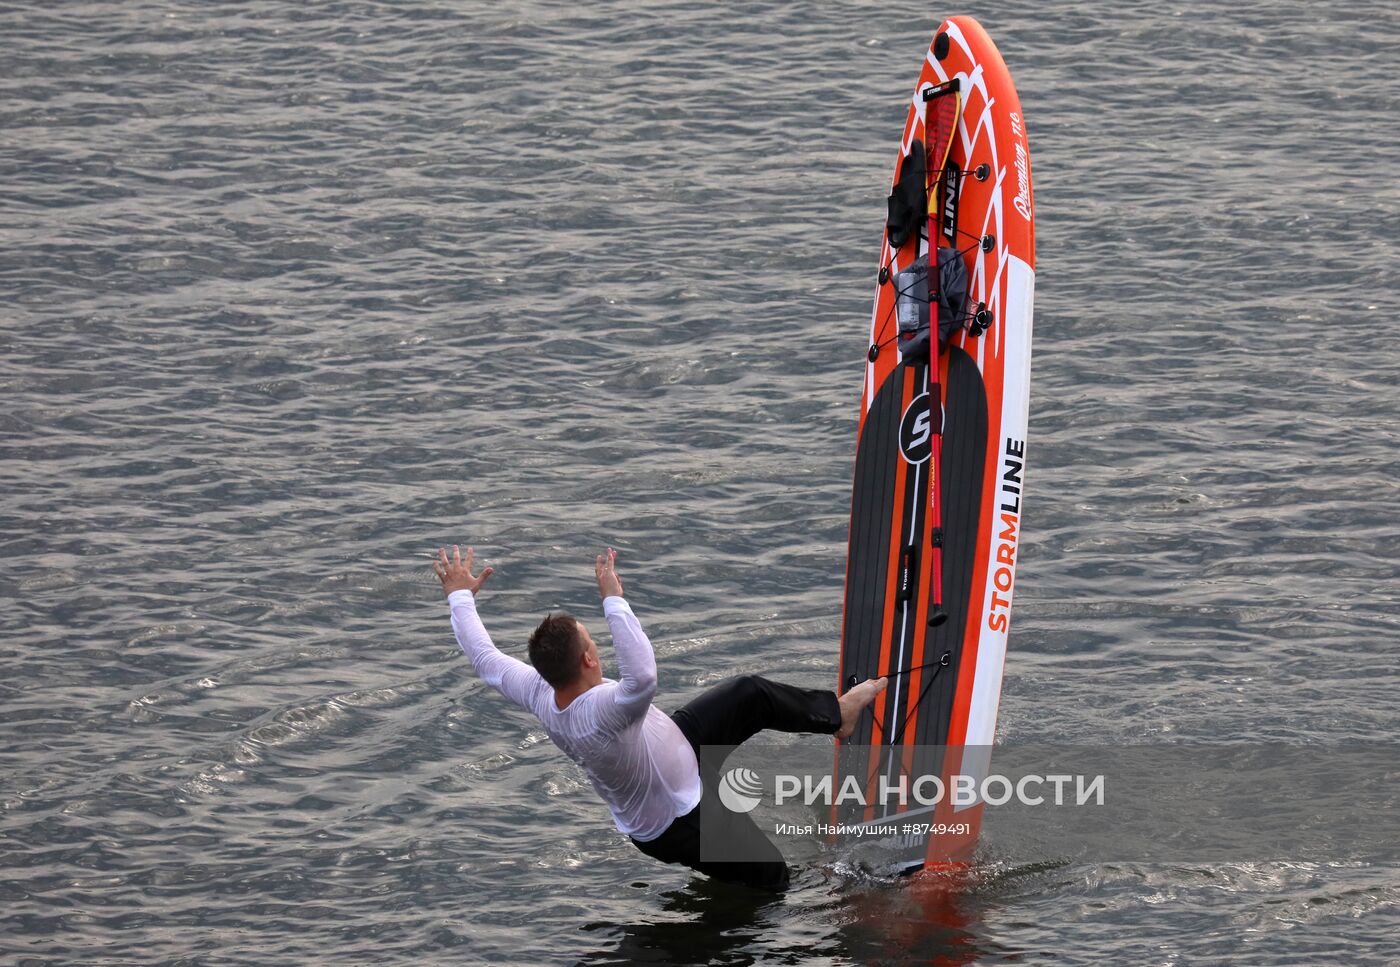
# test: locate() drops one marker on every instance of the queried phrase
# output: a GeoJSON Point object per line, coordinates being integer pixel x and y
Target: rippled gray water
{"type": "Point", "coordinates": [290, 294]}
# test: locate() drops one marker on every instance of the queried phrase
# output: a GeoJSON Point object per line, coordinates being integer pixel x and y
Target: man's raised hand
{"type": "Point", "coordinates": [605, 567]}
{"type": "Point", "coordinates": [456, 574]}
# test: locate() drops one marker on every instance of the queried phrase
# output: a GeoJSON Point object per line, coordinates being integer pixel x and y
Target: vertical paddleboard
{"type": "Point", "coordinates": [940, 465]}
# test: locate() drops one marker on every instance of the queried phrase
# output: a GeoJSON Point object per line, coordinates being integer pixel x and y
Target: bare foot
{"type": "Point", "coordinates": [854, 701]}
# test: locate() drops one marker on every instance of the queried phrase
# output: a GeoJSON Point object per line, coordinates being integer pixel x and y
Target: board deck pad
{"type": "Point", "coordinates": [916, 706]}
{"type": "Point", "coordinates": [940, 451]}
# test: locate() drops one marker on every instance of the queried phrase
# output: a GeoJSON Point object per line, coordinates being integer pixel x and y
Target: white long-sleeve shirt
{"type": "Point", "coordinates": [636, 757]}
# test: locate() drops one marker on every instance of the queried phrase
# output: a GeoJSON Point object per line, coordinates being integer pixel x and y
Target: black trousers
{"type": "Point", "coordinates": [727, 715]}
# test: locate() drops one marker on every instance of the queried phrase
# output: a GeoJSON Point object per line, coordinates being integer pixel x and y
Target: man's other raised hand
{"type": "Point", "coordinates": [456, 574]}
{"type": "Point", "coordinates": [605, 567]}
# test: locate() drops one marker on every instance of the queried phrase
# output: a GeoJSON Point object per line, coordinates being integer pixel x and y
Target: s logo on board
{"type": "Point", "coordinates": [916, 431]}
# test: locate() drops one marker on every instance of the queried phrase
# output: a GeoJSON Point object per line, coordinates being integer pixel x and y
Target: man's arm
{"type": "Point", "coordinates": [636, 662]}
{"type": "Point", "coordinates": [514, 679]}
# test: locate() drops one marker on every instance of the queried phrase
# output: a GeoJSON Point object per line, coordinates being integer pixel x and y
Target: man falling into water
{"type": "Point", "coordinates": [643, 763]}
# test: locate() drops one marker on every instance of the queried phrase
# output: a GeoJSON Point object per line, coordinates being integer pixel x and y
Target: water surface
{"type": "Point", "coordinates": [294, 293]}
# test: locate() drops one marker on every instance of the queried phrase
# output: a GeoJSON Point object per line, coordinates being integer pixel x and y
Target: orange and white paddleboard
{"type": "Point", "coordinates": [941, 455]}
